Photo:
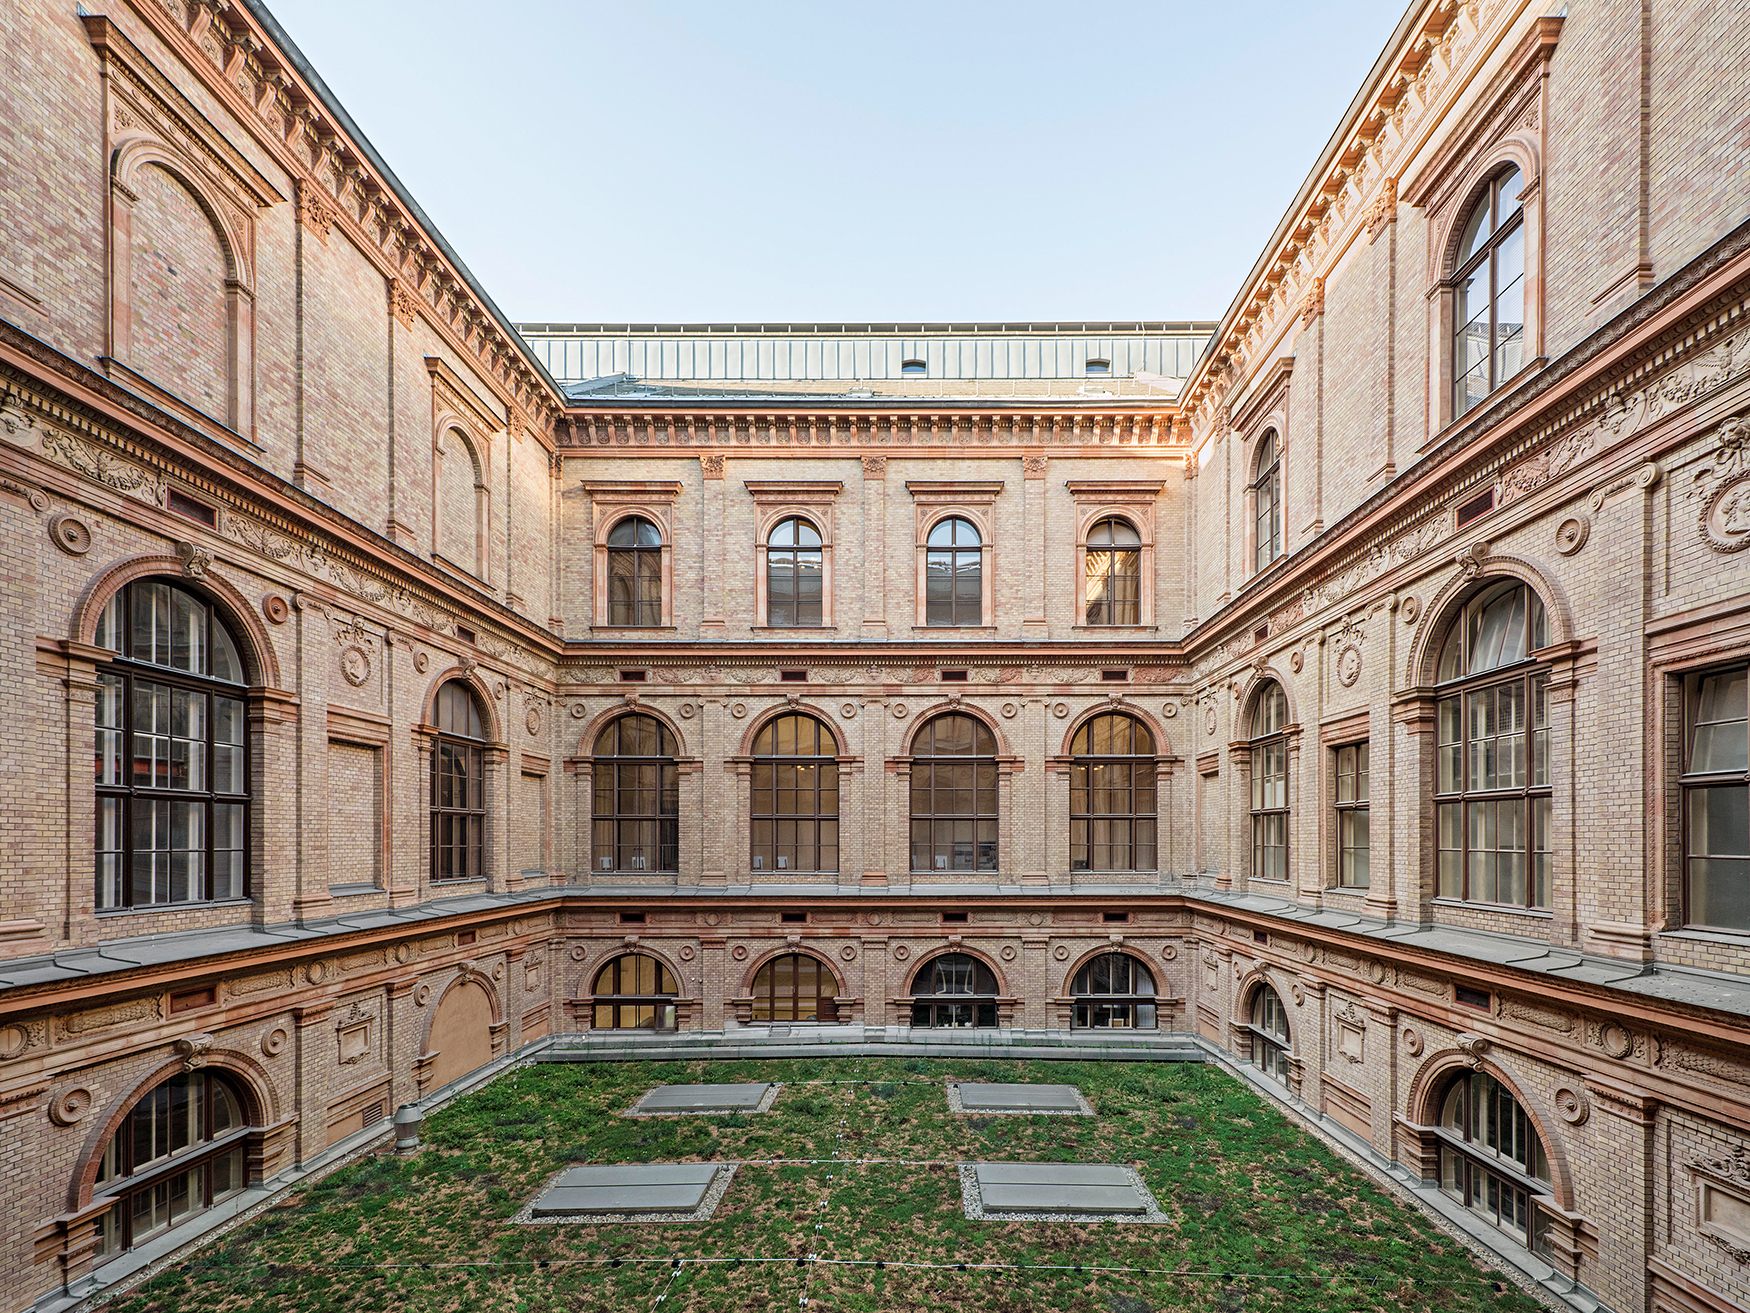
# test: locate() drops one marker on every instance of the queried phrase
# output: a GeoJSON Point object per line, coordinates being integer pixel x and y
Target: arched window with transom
{"type": "Point", "coordinates": [954, 573]}
{"type": "Point", "coordinates": [635, 574]}
{"type": "Point", "coordinates": [635, 797]}
{"type": "Point", "coordinates": [1267, 758]}
{"type": "Point", "coordinates": [1491, 1159]}
{"type": "Point", "coordinates": [954, 795]}
{"type": "Point", "coordinates": [1113, 991]}
{"type": "Point", "coordinates": [795, 802]}
{"type": "Point", "coordinates": [795, 575]}
{"type": "Point", "coordinates": [1492, 782]}
{"type": "Point", "coordinates": [794, 987]}
{"type": "Point", "coordinates": [1266, 499]}
{"type": "Point", "coordinates": [172, 766]}
{"type": "Point", "coordinates": [954, 990]}
{"type": "Point", "coordinates": [1112, 573]}
{"type": "Point", "coordinates": [634, 991]}
{"type": "Point", "coordinates": [1268, 1028]}
{"type": "Point", "coordinates": [458, 786]}
{"type": "Point", "coordinates": [1112, 818]}
{"type": "Point", "coordinates": [181, 1149]}
{"type": "Point", "coordinates": [1488, 286]}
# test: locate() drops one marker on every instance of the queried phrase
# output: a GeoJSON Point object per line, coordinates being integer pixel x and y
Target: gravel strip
{"type": "Point", "coordinates": [764, 1105]}
{"type": "Point", "coordinates": [707, 1206]}
{"type": "Point", "coordinates": [973, 1206]}
{"type": "Point", "coordinates": [955, 1106]}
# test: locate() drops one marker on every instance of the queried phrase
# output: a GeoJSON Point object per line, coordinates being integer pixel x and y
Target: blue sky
{"type": "Point", "coordinates": [813, 161]}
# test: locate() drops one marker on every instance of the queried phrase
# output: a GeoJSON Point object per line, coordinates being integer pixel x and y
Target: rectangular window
{"type": "Point", "coordinates": [1716, 799]}
{"type": "Point", "coordinates": [1352, 818]}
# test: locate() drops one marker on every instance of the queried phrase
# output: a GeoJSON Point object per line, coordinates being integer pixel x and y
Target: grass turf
{"type": "Point", "coordinates": [1262, 1216]}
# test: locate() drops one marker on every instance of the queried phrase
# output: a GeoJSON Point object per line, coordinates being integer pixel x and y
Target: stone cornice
{"type": "Point", "coordinates": [1436, 50]}
{"type": "Point", "coordinates": [239, 57]}
{"type": "Point", "coordinates": [1059, 430]}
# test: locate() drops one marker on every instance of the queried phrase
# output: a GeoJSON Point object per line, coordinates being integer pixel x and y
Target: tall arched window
{"type": "Point", "coordinates": [794, 987]}
{"type": "Point", "coordinates": [458, 792]}
{"type": "Point", "coordinates": [1492, 768]}
{"type": "Point", "coordinates": [1113, 991]}
{"type": "Point", "coordinates": [1488, 285]}
{"type": "Point", "coordinates": [635, 573]}
{"type": "Point", "coordinates": [634, 991]}
{"type": "Point", "coordinates": [172, 765]}
{"type": "Point", "coordinates": [795, 803]}
{"type": "Point", "coordinates": [1491, 1159]}
{"type": "Point", "coordinates": [180, 1150]}
{"type": "Point", "coordinates": [1266, 490]}
{"type": "Point", "coordinates": [635, 797]}
{"type": "Point", "coordinates": [1268, 758]}
{"type": "Point", "coordinates": [954, 574]}
{"type": "Point", "coordinates": [1269, 1033]}
{"type": "Point", "coordinates": [954, 990]}
{"type": "Point", "coordinates": [795, 575]}
{"type": "Point", "coordinates": [1112, 817]}
{"type": "Point", "coordinates": [954, 796]}
{"type": "Point", "coordinates": [1112, 584]}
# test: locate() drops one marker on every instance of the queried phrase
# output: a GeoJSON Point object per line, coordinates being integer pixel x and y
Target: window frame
{"type": "Point", "coordinates": [1531, 677]}
{"type": "Point", "coordinates": [471, 815]}
{"type": "Point", "coordinates": [1270, 1052]}
{"type": "Point", "coordinates": [124, 670]}
{"type": "Point", "coordinates": [1263, 744]}
{"type": "Point", "coordinates": [795, 551]}
{"type": "Point", "coordinates": [1692, 783]}
{"type": "Point", "coordinates": [1353, 811]}
{"type": "Point", "coordinates": [1266, 478]}
{"type": "Point", "coordinates": [825, 1003]}
{"type": "Point", "coordinates": [661, 1000]}
{"type": "Point", "coordinates": [616, 765]}
{"type": "Point", "coordinates": [957, 556]}
{"type": "Point", "coordinates": [1477, 1163]}
{"type": "Point", "coordinates": [648, 565]}
{"type": "Point", "coordinates": [116, 1233]}
{"type": "Point", "coordinates": [929, 764]}
{"type": "Point", "coordinates": [974, 1008]}
{"type": "Point", "coordinates": [1488, 194]}
{"type": "Point", "coordinates": [1115, 572]}
{"type": "Point", "coordinates": [1135, 1004]}
{"type": "Point", "coordinates": [817, 765]}
{"type": "Point", "coordinates": [1083, 822]}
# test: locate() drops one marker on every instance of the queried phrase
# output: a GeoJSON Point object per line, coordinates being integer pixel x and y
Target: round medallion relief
{"type": "Point", "coordinates": [1412, 1041]}
{"type": "Point", "coordinates": [71, 534]}
{"type": "Point", "coordinates": [1725, 519]}
{"type": "Point", "coordinates": [276, 609]}
{"type": "Point", "coordinates": [901, 952]}
{"type": "Point", "coordinates": [686, 952]}
{"type": "Point", "coordinates": [70, 1106]}
{"type": "Point", "coordinates": [355, 665]}
{"type": "Point", "coordinates": [688, 711]}
{"type": "Point", "coordinates": [1296, 661]}
{"type": "Point", "coordinates": [848, 952]}
{"type": "Point", "coordinates": [578, 711]}
{"type": "Point", "coordinates": [739, 952]}
{"type": "Point", "coordinates": [1060, 709]}
{"type": "Point", "coordinates": [1209, 720]}
{"type": "Point", "coordinates": [1571, 534]}
{"type": "Point", "coordinates": [1410, 608]}
{"type": "Point", "coordinates": [1349, 666]}
{"type": "Point", "coordinates": [421, 660]}
{"type": "Point", "coordinates": [402, 953]}
{"type": "Point", "coordinates": [316, 972]}
{"type": "Point", "coordinates": [1615, 1039]}
{"type": "Point", "coordinates": [848, 711]}
{"type": "Point", "coordinates": [1061, 952]}
{"type": "Point", "coordinates": [739, 710]}
{"type": "Point", "coordinates": [13, 1041]}
{"type": "Point", "coordinates": [1169, 953]}
{"type": "Point", "coordinates": [899, 711]}
{"type": "Point", "coordinates": [1170, 710]}
{"type": "Point", "coordinates": [274, 1041]}
{"type": "Point", "coordinates": [1007, 953]}
{"type": "Point", "coordinates": [532, 721]}
{"type": "Point", "coordinates": [713, 918]}
{"type": "Point", "coordinates": [421, 994]}
{"type": "Point", "coordinates": [1010, 710]}
{"type": "Point", "coordinates": [578, 952]}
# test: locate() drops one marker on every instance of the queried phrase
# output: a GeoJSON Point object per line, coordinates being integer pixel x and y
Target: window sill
{"type": "Point", "coordinates": [459, 880]}
{"type": "Point", "coordinates": [793, 629]}
{"type": "Point", "coordinates": [174, 907]}
{"type": "Point", "coordinates": [953, 629]}
{"type": "Point", "coordinates": [1115, 629]}
{"type": "Point", "coordinates": [1706, 935]}
{"type": "Point", "coordinates": [1124, 870]}
{"type": "Point", "coordinates": [633, 629]}
{"type": "Point", "coordinates": [353, 890]}
{"type": "Point", "coordinates": [994, 875]}
{"type": "Point", "coordinates": [1508, 909]}
{"type": "Point", "coordinates": [1349, 890]}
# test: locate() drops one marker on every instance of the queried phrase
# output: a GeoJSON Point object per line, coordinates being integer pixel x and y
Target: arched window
{"type": "Point", "coordinates": [954, 990]}
{"type": "Point", "coordinates": [795, 574]}
{"type": "Point", "coordinates": [1269, 1033]}
{"type": "Point", "coordinates": [1112, 795]}
{"type": "Point", "coordinates": [1716, 799]}
{"type": "Point", "coordinates": [1268, 757]}
{"type": "Point", "coordinates": [1492, 767]}
{"type": "Point", "coordinates": [1488, 284]}
{"type": "Point", "coordinates": [954, 574]}
{"type": "Point", "coordinates": [1097, 368]}
{"type": "Point", "coordinates": [794, 987]}
{"type": "Point", "coordinates": [954, 796]}
{"type": "Point", "coordinates": [1491, 1159]}
{"type": "Point", "coordinates": [172, 767]}
{"type": "Point", "coordinates": [795, 809]}
{"type": "Point", "coordinates": [635, 797]}
{"type": "Point", "coordinates": [1266, 490]}
{"type": "Point", "coordinates": [635, 573]}
{"type": "Point", "coordinates": [458, 793]}
{"type": "Point", "coordinates": [180, 1150]}
{"type": "Point", "coordinates": [1113, 991]}
{"type": "Point", "coordinates": [1112, 584]}
{"type": "Point", "coordinates": [634, 992]}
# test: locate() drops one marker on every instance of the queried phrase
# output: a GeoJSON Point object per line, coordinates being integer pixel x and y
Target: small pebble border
{"type": "Point", "coordinates": [703, 1213]}
{"type": "Point", "coordinates": [764, 1105]}
{"type": "Point", "coordinates": [1084, 1108]}
{"type": "Point", "coordinates": [973, 1206]}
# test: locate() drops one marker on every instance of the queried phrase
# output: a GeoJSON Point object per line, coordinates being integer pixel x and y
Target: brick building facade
{"type": "Point", "coordinates": [1378, 687]}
